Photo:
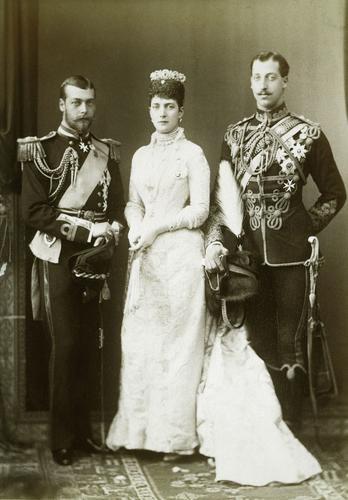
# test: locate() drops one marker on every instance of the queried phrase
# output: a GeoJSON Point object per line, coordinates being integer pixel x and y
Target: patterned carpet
{"type": "Point", "coordinates": [31, 474]}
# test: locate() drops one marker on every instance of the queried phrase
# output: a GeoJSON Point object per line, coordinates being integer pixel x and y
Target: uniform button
{"type": "Point", "coordinates": [99, 204]}
{"type": "Point", "coordinates": [287, 195]}
{"type": "Point", "coordinates": [277, 213]}
{"type": "Point", "coordinates": [296, 178]}
{"type": "Point", "coordinates": [99, 193]}
{"type": "Point", "coordinates": [71, 143]}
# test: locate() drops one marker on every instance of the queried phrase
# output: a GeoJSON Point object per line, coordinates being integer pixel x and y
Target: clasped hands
{"type": "Point", "coordinates": [103, 231]}
{"type": "Point", "coordinates": [142, 236]}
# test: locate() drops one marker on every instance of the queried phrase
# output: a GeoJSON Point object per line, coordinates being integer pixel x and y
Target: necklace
{"type": "Point", "coordinates": [166, 139]}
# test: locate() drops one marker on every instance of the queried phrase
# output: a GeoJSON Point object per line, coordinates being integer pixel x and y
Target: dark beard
{"type": "Point", "coordinates": [81, 126]}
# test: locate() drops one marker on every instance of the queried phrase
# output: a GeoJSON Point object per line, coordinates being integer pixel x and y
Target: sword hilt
{"type": "Point", "coordinates": [314, 242]}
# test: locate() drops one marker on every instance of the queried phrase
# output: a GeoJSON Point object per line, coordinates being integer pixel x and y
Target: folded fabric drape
{"type": "Point", "coordinates": [18, 83]}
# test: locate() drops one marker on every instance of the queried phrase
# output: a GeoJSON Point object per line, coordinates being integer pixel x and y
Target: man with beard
{"type": "Point", "coordinates": [270, 155]}
{"type": "Point", "coordinates": [72, 196]}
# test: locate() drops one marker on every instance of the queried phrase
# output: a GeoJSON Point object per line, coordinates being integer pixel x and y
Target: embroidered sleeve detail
{"type": "Point", "coordinates": [75, 229]}
{"type": "Point", "coordinates": [212, 227]}
{"type": "Point", "coordinates": [322, 213]}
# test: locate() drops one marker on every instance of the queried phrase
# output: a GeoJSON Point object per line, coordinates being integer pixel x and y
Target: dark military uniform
{"type": "Point", "coordinates": [68, 184]}
{"type": "Point", "coordinates": [271, 155]}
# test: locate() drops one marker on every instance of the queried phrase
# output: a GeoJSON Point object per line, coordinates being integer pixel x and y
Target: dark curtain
{"type": "Point", "coordinates": [18, 83]}
{"type": "Point", "coordinates": [346, 54]}
{"type": "Point", "coordinates": [18, 112]}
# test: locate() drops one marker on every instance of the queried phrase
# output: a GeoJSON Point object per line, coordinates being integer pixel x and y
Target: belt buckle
{"type": "Point", "coordinates": [89, 215]}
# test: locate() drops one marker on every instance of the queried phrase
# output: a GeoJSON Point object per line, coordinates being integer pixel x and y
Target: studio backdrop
{"type": "Point", "coordinates": [118, 43]}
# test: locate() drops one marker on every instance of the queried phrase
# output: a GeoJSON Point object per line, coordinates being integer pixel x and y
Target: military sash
{"type": "Point", "coordinates": [48, 248]}
{"type": "Point", "coordinates": [87, 178]}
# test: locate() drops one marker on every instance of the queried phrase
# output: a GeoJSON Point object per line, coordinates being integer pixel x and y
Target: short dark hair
{"type": "Point", "coordinates": [168, 89]}
{"type": "Point", "coordinates": [262, 56]}
{"type": "Point", "coordinates": [76, 81]}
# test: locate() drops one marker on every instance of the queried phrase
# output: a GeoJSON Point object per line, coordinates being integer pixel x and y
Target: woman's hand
{"type": "Point", "coordinates": [134, 234]}
{"type": "Point", "coordinates": [146, 237]}
{"type": "Point", "coordinates": [213, 257]}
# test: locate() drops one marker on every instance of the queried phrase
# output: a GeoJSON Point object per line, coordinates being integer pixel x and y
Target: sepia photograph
{"type": "Point", "coordinates": [173, 228]}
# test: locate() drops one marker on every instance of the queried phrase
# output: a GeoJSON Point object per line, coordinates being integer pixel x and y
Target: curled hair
{"type": "Point", "coordinates": [168, 89]}
{"type": "Point", "coordinates": [284, 67]}
{"type": "Point", "coordinates": [76, 81]}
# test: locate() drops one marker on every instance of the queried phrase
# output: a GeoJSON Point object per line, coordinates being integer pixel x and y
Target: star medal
{"type": "Point", "coordinates": [84, 147]}
{"type": "Point", "coordinates": [289, 185]}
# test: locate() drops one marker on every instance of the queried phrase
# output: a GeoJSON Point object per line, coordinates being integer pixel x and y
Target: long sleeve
{"type": "Point", "coordinates": [135, 209]}
{"type": "Point", "coordinates": [196, 212]}
{"type": "Point", "coordinates": [323, 169]}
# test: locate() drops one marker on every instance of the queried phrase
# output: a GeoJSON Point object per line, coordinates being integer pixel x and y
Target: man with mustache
{"type": "Point", "coordinates": [271, 154]}
{"type": "Point", "coordinates": [72, 196]}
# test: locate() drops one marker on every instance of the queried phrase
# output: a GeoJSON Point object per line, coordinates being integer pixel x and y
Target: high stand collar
{"type": "Point", "coordinates": [273, 115]}
{"type": "Point", "coordinates": [167, 139]}
{"type": "Point", "coordinates": [68, 132]}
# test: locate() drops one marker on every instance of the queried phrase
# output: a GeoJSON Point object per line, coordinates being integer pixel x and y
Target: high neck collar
{"type": "Point", "coordinates": [272, 115]}
{"type": "Point", "coordinates": [66, 131]}
{"type": "Point", "coordinates": [167, 139]}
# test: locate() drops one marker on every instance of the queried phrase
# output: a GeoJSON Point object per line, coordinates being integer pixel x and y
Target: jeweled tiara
{"type": "Point", "coordinates": [167, 74]}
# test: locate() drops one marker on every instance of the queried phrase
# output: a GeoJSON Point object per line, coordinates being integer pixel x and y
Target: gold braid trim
{"type": "Point", "coordinates": [30, 148]}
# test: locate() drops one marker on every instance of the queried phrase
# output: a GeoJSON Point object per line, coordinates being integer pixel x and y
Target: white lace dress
{"type": "Point", "coordinates": [164, 321]}
{"type": "Point", "coordinates": [239, 417]}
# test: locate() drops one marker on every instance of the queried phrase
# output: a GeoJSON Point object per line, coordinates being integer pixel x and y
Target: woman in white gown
{"type": "Point", "coordinates": [164, 320]}
{"type": "Point", "coordinates": [239, 418]}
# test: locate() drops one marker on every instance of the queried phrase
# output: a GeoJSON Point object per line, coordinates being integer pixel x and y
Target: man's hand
{"type": "Point", "coordinates": [104, 231]}
{"type": "Point", "coordinates": [213, 257]}
{"type": "Point", "coordinates": [117, 229]}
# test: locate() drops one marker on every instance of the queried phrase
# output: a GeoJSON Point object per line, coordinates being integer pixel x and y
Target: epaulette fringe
{"type": "Point", "coordinates": [114, 148]}
{"type": "Point", "coordinates": [30, 148]}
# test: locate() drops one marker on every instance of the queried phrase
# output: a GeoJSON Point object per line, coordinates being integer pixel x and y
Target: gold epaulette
{"type": "Point", "coordinates": [241, 122]}
{"type": "Point", "coordinates": [306, 120]}
{"type": "Point", "coordinates": [114, 147]}
{"type": "Point", "coordinates": [30, 148]}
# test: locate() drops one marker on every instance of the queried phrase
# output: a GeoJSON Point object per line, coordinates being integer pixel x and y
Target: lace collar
{"type": "Point", "coordinates": [167, 139]}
